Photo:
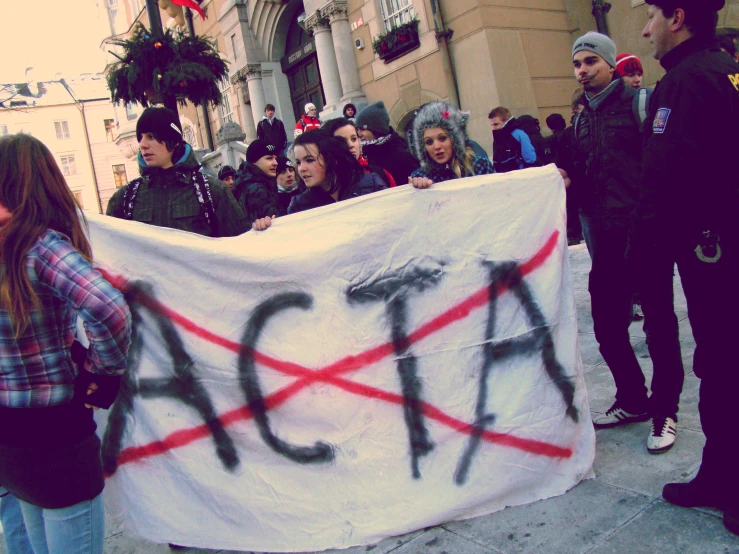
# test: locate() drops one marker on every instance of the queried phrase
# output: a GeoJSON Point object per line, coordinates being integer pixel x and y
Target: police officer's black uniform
{"type": "Point", "coordinates": [688, 213]}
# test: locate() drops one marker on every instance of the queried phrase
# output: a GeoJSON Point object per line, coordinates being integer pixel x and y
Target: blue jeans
{"type": "Point", "coordinates": [14, 529]}
{"type": "Point", "coordinates": [77, 529]}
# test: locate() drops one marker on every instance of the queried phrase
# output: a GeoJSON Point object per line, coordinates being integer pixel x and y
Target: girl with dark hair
{"type": "Point", "coordinates": [49, 452]}
{"type": "Point", "coordinates": [329, 171]}
{"type": "Point", "coordinates": [344, 128]}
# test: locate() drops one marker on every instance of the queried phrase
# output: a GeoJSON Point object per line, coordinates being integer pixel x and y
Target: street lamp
{"type": "Point", "coordinates": [600, 9]}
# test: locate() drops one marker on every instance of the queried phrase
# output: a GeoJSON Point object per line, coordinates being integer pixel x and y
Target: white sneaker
{"type": "Point", "coordinates": [616, 415]}
{"type": "Point", "coordinates": [662, 435]}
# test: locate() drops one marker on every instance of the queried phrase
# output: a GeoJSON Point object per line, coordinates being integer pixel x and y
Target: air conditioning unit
{"type": "Point", "coordinates": [359, 43]}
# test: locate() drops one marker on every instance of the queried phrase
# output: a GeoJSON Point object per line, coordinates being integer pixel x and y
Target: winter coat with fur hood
{"type": "Point", "coordinates": [454, 122]}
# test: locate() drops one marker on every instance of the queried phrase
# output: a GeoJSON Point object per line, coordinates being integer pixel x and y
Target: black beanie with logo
{"type": "Point", "coordinates": [162, 122]}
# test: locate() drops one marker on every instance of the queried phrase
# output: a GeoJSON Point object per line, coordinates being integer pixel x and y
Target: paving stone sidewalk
{"type": "Point", "coordinates": [620, 511]}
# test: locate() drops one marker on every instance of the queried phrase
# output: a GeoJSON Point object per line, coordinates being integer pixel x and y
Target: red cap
{"type": "Point", "coordinates": [626, 64]}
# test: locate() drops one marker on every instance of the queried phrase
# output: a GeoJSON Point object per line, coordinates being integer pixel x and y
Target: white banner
{"type": "Point", "coordinates": [355, 372]}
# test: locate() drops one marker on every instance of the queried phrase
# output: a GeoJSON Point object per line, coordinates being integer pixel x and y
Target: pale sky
{"type": "Point", "coordinates": [51, 36]}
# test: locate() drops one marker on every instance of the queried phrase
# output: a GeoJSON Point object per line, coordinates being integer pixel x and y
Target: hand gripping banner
{"type": "Point", "coordinates": [354, 372]}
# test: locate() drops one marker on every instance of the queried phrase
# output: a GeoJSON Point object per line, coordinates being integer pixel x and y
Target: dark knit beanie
{"type": "Point", "coordinates": [258, 149]}
{"type": "Point", "coordinates": [283, 162]}
{"type": "Point", "coordinates": [162, 122]}
{"type": "Point", "coordinates": [705, 5]}
{"type": "Point", "coordinates": [374, 118]}
{"type": "Point", "coordinates": [226, 171]}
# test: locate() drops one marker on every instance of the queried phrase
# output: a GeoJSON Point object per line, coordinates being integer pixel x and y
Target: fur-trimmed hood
{"type": "Point", "coordinates": [445, 116]}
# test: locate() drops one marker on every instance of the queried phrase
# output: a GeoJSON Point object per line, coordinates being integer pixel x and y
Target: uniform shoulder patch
{"type": "Point", "coordinates": [660, 120]}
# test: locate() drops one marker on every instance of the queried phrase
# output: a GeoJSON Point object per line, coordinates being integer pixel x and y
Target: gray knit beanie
{"type": "Point", "coordinates": [375, 118]}
{"type": "Point", "coordinates": [598, 44]}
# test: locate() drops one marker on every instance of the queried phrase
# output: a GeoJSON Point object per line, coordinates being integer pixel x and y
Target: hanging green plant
{"type": "Point", "coordinates": [397, 41]}
{"type": "Point", "coordinates": [186, 67]}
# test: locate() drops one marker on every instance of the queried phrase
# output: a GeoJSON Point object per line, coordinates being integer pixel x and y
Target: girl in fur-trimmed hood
{"type": "Point", "coordinates": [440, 144]}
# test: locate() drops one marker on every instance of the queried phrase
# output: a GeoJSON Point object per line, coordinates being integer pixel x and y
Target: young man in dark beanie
{"type": "Point", "coordinates": [255, 188]}
{"type": "Point", "coordinates": [288, 183]}
{"type": "Point", "coordinates": [687, 214]}
{"type": "Point", "coordinates": [607, 176]}
{"type": "Point", "coordinates": [227, 174]}
{"type": "Point", "coordinates": [382, 146]}
{"type": "Point", "coordinates": [173, 191]}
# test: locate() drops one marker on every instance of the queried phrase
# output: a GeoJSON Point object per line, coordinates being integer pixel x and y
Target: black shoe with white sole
{"type": "Point", "coordinates": [616, 415]}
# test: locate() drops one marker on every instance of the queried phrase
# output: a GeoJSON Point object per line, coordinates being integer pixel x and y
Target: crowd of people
{"type": "Point", "coordinates": [649, 183]}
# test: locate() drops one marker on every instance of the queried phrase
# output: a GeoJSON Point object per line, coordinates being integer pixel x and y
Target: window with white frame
{"type": "Point", "coordinates": [69, 166]}
{"type": "Point", "coordinates": [62, 130]}
{"type": "Point", "coordinates": [130, 111]}
{"type": "Point", "coordinates": [3, 130]}
{"type": "Point", "coordinates": [226, 110]}
{"type": "Point", "coordinates": [397, 12]}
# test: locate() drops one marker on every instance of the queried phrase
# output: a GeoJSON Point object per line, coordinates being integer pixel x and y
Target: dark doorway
{"type": "Point", "coordinates": [305, 85]}
{"type": "Point", "coordinates": [300, 65]}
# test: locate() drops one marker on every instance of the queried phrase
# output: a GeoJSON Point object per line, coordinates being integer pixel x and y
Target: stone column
{"type": "Point", "coordinates": [327, 66]}
{"type": "Point", "coordinates": [336, 12]}
{"type": "Point", "coordinates": [247, 118]}
{"type": "Point", "coordinates": [256, 91]}
{"type": "Point", "coordinates": [238, 81]}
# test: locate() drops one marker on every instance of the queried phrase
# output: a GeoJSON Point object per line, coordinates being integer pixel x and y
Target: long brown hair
{"type": "Point", "coordinates": [33, 189]}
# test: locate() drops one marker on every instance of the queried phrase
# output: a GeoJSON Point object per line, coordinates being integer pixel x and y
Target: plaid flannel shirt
{"type": "Point", "coordinates": [36, 369]}
{"type": "Point", "coordinates": [438, 173]}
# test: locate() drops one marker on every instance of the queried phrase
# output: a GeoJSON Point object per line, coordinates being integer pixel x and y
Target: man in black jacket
{"type": "Point", "coordinates": [608, 156]}
{"type": "Point", "coordinates": [272, 129]}
{"type": "Point", "coordinates": [687, 214]}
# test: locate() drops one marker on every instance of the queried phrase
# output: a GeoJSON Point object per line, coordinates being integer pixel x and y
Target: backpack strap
{"type": "Point", "coordinates": [640, 105]}
{"type": "Point", "coordinates": [129, 197]}
{"type": "Point", "coordinates": [202, 191]}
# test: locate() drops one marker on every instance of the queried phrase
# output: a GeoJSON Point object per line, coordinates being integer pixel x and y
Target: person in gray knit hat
{"type": "Point", "coordinates": [382, 146]}
{"type": "Point", "coordinates": [440, 143]}
{"type": "Point", "coordinates": [607, 175]}
{"type": "Point", "coordinates": [597, 43]}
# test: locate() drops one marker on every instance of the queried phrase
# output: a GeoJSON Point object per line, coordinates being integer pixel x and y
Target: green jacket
{"type": "Point", "coordinates": [167, 198]}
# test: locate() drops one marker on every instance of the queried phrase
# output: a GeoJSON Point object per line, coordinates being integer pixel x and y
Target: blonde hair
{"type": "Point", "coordinates": [465, 167]}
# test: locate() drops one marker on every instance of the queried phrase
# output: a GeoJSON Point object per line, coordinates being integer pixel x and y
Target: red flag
{"type": "Point", "coordinates": [190, 4]}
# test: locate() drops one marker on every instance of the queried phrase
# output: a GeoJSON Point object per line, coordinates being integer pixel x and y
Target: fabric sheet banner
{"type": "Point", "coordinates": [354, 372]}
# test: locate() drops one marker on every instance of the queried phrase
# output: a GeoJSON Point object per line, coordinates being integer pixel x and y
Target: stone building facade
{"type": "Point", "coordinates": [478, 54]}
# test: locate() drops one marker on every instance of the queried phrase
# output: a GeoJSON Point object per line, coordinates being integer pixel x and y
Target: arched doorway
{"type": "Point", "coordinates": [300, 65]}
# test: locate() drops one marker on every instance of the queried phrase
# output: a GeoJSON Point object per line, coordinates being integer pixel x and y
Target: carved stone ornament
{"type": "Point", "coordinates": [229, 132]}
{"type": "Point", "coordinates": [246, 73]}
{"type": "Point", "coordinates": [316, 22]}
{"type": "Point", "coordinates": [253, 71]}
{"type": "Point", "coordinates": [336, 10]}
